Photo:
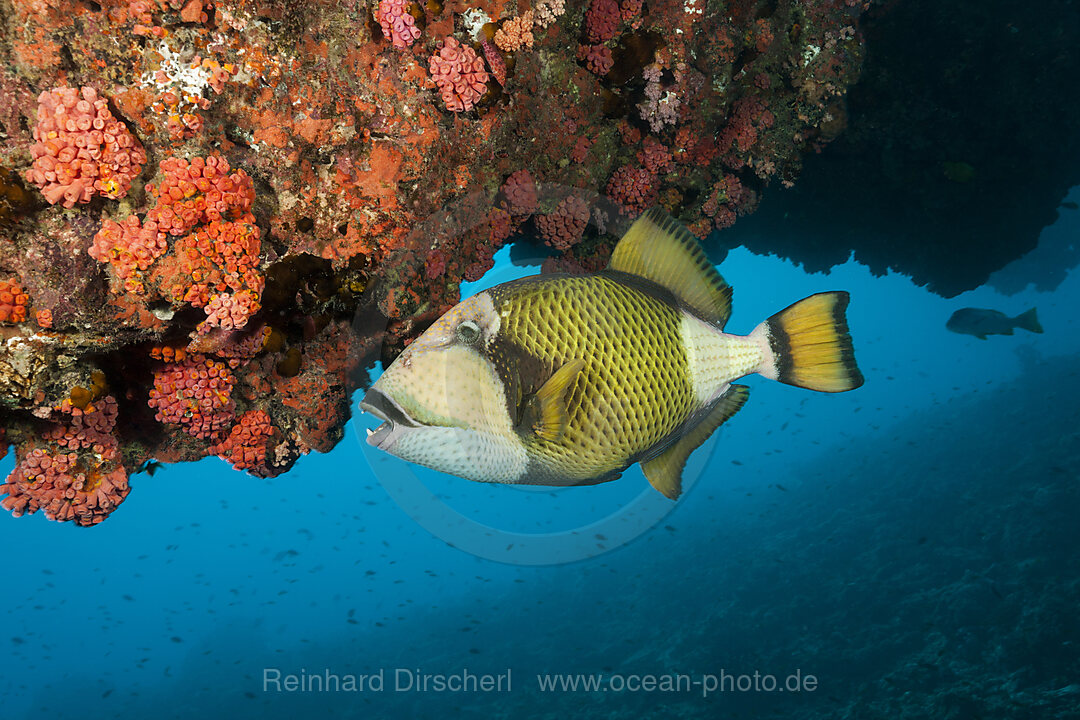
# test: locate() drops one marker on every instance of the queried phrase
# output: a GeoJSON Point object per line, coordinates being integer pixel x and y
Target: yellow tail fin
{"type": "Point", "coordinates": [811, 346]}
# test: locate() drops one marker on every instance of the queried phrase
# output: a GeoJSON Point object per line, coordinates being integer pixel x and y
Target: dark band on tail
{"type": "Point", "coordinates": [780, 343]}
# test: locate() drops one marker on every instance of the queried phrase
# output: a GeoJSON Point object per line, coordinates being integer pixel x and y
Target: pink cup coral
{"type": "Point", "coordinates": [81, 149]}
{"type": "Point", "coordinates": [459, 72]}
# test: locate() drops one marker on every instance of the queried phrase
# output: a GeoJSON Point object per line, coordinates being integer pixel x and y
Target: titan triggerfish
{"type": "Point", "coordinates": [564, 379]}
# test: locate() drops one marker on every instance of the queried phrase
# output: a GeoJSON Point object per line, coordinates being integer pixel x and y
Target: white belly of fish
{"type": "Point", "coordinates": [473, 454]}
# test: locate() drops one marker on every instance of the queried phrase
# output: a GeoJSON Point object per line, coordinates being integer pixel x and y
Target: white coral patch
{"type": "Point", "coordinates": [192, 81]}
{"type": "Point", "coordinates": [474, 20]}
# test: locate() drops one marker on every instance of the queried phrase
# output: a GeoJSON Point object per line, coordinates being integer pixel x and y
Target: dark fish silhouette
{"type": "Point", "coordinates": [149, 467]}
{"type": "Point", "coordinates": [980, 322]}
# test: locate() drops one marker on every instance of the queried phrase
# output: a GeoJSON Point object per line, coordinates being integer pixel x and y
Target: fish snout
{"type": "Point", "coordinates": [394, 417]}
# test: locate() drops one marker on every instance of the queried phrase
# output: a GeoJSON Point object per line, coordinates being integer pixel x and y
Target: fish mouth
{"type": "Point", "coordinates": [388, 410]}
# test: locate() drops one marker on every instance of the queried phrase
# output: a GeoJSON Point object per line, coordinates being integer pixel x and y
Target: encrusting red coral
{"type": "Point", "coordinates": [460, 75]}
{"type": "Point", "coordinates": [724, 201]}
{"type": "Point", "coordinates": [63, 488]}
{"type": "Point", "coordinates": [167, 353]}
{"type": "Point", "coordinates": [13, 302]}
{"type": "Point", "coordinates": [749, 117]}
{"type": "Point", "coordinates": [209, 206]}
{"type": "Point", "coordinates": [76, 474]}
{"type": "Point", "coordinates": [516, 33]}
{"type": "Point", "coordinates": [634, 189]}
{"type": "Point", "coordinates": [520, 193]}
{"type": "Point", "coordinates": [597, 58]}
{"type": "Point", "coordinates": [396, 23]}
{"type": "Point", "coordinates": [130, 247]}
{"type": "Point", "coordinates": [81, 150]}
{"type": "Point", "coordinates": [229, 311]}
{"type": "Point", "coordinates": [221, 258]}
{"type": "Point", "coordinates": [563, 227]}
{"type": "Point", "coordinates": [198, 191]}
{"type": "Point", "coordinates": [655, 156]}
{"type": "Point", "coordinates": [240, 346]}
{"type": "Point", "coordinates": [246, 444]}
{"type": "Point", "coordinates": [629, 9]}
{"type": "Point", "coordinates": [195, 394]}
{"type": "Point", "coordinates": [602, 20]}
{"type": "Point", "coordinates": [500, 225]}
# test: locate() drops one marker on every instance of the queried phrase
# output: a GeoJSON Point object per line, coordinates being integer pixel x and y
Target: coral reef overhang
{"type": "Point", "coordinates": [960, 145]}
{"type": "Point", "coordinates": [212, 213]}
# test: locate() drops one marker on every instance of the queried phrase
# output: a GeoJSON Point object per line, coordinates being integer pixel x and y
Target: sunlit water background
{"type": "Point", "coordinates": [911, 545]}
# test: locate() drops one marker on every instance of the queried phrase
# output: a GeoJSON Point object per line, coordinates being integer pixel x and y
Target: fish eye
{"type": "Point", "coordinates": [468, 331]}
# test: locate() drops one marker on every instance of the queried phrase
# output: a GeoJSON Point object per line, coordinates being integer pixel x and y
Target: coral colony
{"type": "Point", "coordinates": [211, 213]}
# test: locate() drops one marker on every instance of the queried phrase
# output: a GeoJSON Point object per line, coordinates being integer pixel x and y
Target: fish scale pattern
{"type": "Point", "coordinates": [635, 389]}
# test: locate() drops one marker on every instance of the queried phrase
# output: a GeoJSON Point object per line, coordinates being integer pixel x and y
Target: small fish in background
{"type": "Point", "coordinates": [980, 322]}
{"type": "Point", "coordinates": [565, 379]}
{"type": "Point", "coordinates": [149, 467]}
{"type": "Point", "coordinates": [1070, 205]}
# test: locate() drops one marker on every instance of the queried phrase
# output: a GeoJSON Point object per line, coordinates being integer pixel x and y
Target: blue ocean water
{"type": "Point", "coordinates": [907, 550]}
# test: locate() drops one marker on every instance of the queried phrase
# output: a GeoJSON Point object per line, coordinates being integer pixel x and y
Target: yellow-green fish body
{"type": "Point", "coordinates": [569, 379]}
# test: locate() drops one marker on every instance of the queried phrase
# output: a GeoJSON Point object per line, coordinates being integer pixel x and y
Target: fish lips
{"type": "Point", "coordinates": [395, 419]}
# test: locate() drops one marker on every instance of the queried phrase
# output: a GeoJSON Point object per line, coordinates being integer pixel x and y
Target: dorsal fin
{"type": "Point", "coordinates": [664, 471]}
{"type": "Point", "coordinates": [659, 248]}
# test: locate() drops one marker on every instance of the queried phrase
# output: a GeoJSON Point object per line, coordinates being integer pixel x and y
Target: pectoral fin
{"type": "Point", "coordinates": [664, 472]}
{"type": "Point", "coordinates": [547, 413]}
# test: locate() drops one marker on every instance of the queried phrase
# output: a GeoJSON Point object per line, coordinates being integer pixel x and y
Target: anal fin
{"type": "Point", "coordinates": [664, 471]}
